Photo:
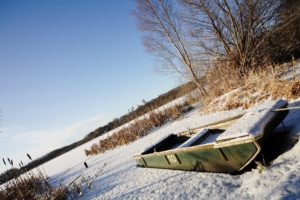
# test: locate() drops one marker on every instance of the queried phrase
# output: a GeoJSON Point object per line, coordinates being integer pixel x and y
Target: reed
{"type": "Point", "coordinates": [30, 186]}
{"type": "Point", "coordinates": [33, 185]}
{"type": "Point", "coordinates": [137, 129]}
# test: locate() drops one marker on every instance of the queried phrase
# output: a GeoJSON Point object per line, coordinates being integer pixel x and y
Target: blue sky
{"type": "Point", "coordinates": [68, 67]}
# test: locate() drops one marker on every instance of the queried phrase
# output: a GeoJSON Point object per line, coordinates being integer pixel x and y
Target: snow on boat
{"type": "Point", "coordinates": [226, 148]}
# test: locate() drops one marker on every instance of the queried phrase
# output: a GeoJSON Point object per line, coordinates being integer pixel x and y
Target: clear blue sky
{"type": "Point", "coordinates": [67, 67]}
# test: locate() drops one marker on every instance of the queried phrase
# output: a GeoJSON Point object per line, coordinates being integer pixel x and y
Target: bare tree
{"type": "Point", "coordinates": [288, 39]}
{"type": "Point", "coordinates": [165, 38]}
{"type": "Point", "coordinates": [238, 30]}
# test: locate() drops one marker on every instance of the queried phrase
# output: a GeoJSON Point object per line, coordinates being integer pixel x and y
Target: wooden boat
{"type": "Point", "coordinates": [227, 147]}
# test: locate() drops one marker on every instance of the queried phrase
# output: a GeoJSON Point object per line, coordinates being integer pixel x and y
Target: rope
{"type": "Point", "coordinates": [285, 109]}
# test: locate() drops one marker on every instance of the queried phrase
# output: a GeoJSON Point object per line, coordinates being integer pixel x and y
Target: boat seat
{"type": "Point", "coordinates": [194, 138]}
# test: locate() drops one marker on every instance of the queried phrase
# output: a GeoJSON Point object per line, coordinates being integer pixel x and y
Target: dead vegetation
{"type": "Point", "coordinates": [137, 129]}
{"type": "Point", "coordinates": [189, 37]}
{"type": "Point", "coordinates": [32, 186]}
{"type": "Point", "coordinates": [230, 91]}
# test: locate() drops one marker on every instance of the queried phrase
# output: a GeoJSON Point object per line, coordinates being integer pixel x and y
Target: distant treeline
{"type": "Point", "coordinates": [143, 109]}
{"type": "Point", "coordinates": [131, 115]}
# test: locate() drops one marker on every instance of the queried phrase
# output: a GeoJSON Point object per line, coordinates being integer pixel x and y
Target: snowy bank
{"type": "Point", "coordinates": [121, 179]}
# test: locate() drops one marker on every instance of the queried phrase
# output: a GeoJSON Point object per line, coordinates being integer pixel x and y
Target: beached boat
{"type": "Point", "coordinates": [227, 147]}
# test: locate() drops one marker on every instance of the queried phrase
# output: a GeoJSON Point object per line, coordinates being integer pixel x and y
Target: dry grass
{"type": "Point", "coordinates": [245, 92]}
{"type": "Point", "coordinates": [220, 80]}
{"type": "Point", "coordinates": [136, 129]}
{"type": "Point", "coordinates": [32, 186]}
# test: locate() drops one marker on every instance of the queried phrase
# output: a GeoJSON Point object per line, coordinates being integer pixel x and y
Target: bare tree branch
{"type": "Point", "coordinates": [162, 27]}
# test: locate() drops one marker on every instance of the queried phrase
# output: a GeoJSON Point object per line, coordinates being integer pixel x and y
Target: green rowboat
{"type": "Point", "coordinates": [227, 147]}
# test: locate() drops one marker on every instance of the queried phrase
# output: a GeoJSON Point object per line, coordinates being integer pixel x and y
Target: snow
{"type": "Point", "coordinates": [116, 176]}
{"type": "Point", "coordinates": [194, 138]}
{"type": "Point", "coordinates": [253, 123]}
{"type": "Point", "coordinates": [293, 71]}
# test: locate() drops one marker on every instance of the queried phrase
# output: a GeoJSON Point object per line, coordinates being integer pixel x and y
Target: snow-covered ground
{"type": "Point", "coordinates": [119, 178]}
{"type": "Point", "coordinates": [293, 71]}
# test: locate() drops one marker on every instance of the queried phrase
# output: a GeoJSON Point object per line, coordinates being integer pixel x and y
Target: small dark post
{"type": "Point", "coordinates": [29, 156]}
{"type": "Point", "coordinates": [85, 164]}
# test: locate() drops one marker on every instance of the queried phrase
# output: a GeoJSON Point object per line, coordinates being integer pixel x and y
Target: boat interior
{"type": "Point", "coordinates": [173, 141]}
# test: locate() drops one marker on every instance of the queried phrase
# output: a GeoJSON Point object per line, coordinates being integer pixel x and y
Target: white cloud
{"type": "Point", "coordinates": [16, 142]}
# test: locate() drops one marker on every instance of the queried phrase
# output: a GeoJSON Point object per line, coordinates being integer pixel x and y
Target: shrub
{"type": "Point", "coordinates": [137, 129]}
{"type": "Point", "coordinates": [32, 186]}
{"type": "Point", "coordinates": [255, 87]}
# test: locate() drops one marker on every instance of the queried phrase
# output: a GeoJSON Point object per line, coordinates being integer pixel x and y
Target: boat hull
{"type": "Point", "coordinates": [203, 159]}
